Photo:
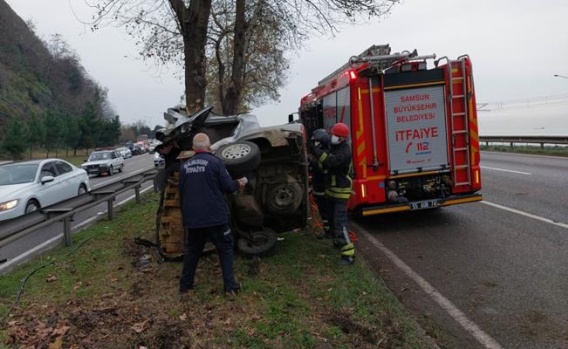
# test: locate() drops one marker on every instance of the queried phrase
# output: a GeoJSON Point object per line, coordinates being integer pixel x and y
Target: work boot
{"type": "Point", "coordinates": [185, 296]}
{"type": "Point", "coordinates": [339, 243]}
{"type": "Point", "coordinates": [232, 294]}
{"type": "Point", "coordinates": [345, 261]}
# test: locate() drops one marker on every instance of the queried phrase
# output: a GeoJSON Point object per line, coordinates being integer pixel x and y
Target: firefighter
{"type": "Point", "coordinates": [320, 139]}
{"type": "Point", "coordinates": [337, 162]}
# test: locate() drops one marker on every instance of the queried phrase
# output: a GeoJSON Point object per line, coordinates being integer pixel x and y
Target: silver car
{"type": "Point", "coordinates": [27, 186]}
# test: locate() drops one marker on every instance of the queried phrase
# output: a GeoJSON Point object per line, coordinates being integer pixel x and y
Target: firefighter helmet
{"type": "Point", "coordinates": [321, 135]}
{"type": "Point", "coordinates": [340, 130]}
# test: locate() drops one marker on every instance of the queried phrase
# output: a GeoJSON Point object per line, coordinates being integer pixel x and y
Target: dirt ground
{"type": "Point", "coordinates": [133, 315]}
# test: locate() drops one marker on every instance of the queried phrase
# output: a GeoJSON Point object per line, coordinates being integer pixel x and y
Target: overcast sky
{"type": "Point", "coordinates": [516, 46]}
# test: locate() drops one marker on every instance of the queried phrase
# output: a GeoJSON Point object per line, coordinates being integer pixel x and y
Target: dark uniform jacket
{"type": "Point", "coordinates": [203, 182]}
{"type": "Point", "coordinates": [318, 172]}
{"type": "Point", "coordinates": [337, 161]}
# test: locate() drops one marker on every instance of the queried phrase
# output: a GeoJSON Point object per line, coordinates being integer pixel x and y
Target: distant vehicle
{"type": "Point", "coordinates": [105, 161]}
{"type": "Point", "coordinates": [138, 149]}
{"type": "Point", "coordinates": [125, 152]}
{"type": "Point", "coordinates": [158, 159]}
{"type": "Point", "coordinates": [27, 186]}
{"type": "Point", "coordinates": [152, 147]}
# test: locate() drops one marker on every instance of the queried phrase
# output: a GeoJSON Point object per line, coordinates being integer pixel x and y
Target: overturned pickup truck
{"type": "Point", "coordinates": [274, 159]}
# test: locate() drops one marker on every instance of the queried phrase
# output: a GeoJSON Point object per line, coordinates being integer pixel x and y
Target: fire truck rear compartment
{"type": "Point", "coordinates": [418, 188]}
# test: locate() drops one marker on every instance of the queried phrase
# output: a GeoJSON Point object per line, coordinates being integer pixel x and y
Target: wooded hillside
{"type": "Point", "coordinates": [36, 79]}
{"type": "Point", "coordinates": [47, 100]}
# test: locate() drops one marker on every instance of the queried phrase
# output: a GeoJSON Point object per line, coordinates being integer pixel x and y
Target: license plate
{"type": "Point", "coordinates": [421, 205]}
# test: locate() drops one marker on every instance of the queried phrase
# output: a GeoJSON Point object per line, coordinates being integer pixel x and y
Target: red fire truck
{"type": "Point", "coordinates": [413, 124]}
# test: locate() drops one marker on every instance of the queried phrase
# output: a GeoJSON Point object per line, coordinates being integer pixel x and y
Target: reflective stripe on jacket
{"type": "Point", "coordinates": [339, 170]}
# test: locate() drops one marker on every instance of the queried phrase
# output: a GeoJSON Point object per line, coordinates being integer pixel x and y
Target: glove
{"type": "Point", "coordinates": [317, 151]}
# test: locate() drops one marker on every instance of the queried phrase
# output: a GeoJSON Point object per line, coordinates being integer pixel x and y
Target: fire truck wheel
{"type": "Point", "coordinates": [284, 198]}
{"type": "Point", "coordinates": [240, 157]}
{"type": "Point", "coordinates": [257, 243]}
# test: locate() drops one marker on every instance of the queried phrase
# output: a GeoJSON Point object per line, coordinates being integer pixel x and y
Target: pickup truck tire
{"type": "Point", "coordinates": [111, 171]}
{"type": "Point", "coordinates": [257, 243]}
{"type": "Point", "coordinates": [240, 157]}
{"type": "Point", "coordinates": [283, 198]}
{"type": "Point", "coordinates": [121, 168]}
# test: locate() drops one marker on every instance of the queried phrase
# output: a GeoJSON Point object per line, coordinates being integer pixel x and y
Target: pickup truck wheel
{"type": "Point", "coordinates": [240, 157]}
{"type": "Point", "coordinates": [257, 243]}
{"type": "Point", "coordinates": [284, 198]}
{"type": "Point", "coordinates": [120, 168]}
{"type": "Point", "coordinates": [111, 171]}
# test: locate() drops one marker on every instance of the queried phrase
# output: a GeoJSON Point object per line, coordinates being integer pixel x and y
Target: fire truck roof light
{"type": "Point", "coordinates": [352, 75]}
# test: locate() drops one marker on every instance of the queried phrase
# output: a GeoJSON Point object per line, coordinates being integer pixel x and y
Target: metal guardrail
{"type": "Point", "coordinates": [512, 140]}
{"type": "Point", "coordinates": [64, 211]}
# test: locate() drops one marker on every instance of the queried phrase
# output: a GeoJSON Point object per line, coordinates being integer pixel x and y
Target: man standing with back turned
{"type": "Point", "coordinates": [203, 182]}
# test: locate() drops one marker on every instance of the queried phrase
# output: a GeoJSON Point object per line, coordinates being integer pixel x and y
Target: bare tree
{"type": "Point", "coordinates": [251, 72]}
{"type": "Point", "coordinates": [177, 30]}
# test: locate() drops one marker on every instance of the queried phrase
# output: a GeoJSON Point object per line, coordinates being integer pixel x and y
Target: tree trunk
{"type": "Point", "coordinates": [194, 22]}
{"type": "Point", "coordinates": [231, 103]}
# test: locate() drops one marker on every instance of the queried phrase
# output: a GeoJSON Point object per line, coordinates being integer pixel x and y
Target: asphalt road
{"type": "Point", "coordinates": [31, 245]}
{"type": "Point", "coordinates": [492, 274]}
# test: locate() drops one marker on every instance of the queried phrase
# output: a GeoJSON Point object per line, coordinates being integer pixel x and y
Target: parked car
{"type": "Point", "coordinates": [104, 161]}
{"type": "Point", "coordinates": [27, 186]}
{"type": "Point", "coordinates": [158, 159]}
{"type": "Point", "coordinates": [125, 152]}
{"type": "Point", "coordinates": [274, 159]}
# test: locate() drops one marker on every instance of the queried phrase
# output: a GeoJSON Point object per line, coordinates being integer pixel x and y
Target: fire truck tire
{"type": "Point", "coordinates": [284, 198]}
{"type": "Point", "coordinates": [258, 243]}
{"type": "Point", "coordinates": [240, 157]}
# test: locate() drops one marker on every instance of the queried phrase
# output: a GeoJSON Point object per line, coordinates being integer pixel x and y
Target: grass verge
{"type": "Point", "coordinates": [95, 295]}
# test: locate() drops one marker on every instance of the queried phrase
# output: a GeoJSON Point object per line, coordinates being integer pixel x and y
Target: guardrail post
{"type": "Point", "coordinates": [67, 231]}
{"type": "Point", "coordinates": [110, 208]}
{"type": "Point", "coordinates": [137, 193]}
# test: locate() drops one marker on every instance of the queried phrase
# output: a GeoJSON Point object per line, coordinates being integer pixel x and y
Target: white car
{"type": "Point", "coordinates": [103, 161]}
{"type": "Point", "coordinates": [125, 152]}
{"type": "Point", "coordinates": [27, 186]}
{"type": "Point", "coordinates": [159, 159]}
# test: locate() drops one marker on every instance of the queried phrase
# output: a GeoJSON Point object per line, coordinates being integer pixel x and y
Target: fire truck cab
{"type": "Point", "coordinates": [414, 132]}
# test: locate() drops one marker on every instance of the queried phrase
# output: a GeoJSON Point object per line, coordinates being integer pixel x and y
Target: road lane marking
{"type": "Point", "coordinates": [504, 170]}
{"type": "Point", "coordinates": [526, 214]}
{"type": "Point", "coordinates": [486, 340]}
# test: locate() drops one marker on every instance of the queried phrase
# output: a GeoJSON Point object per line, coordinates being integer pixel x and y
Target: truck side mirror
{"type": "Point", "coordinates": [290, 118]}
